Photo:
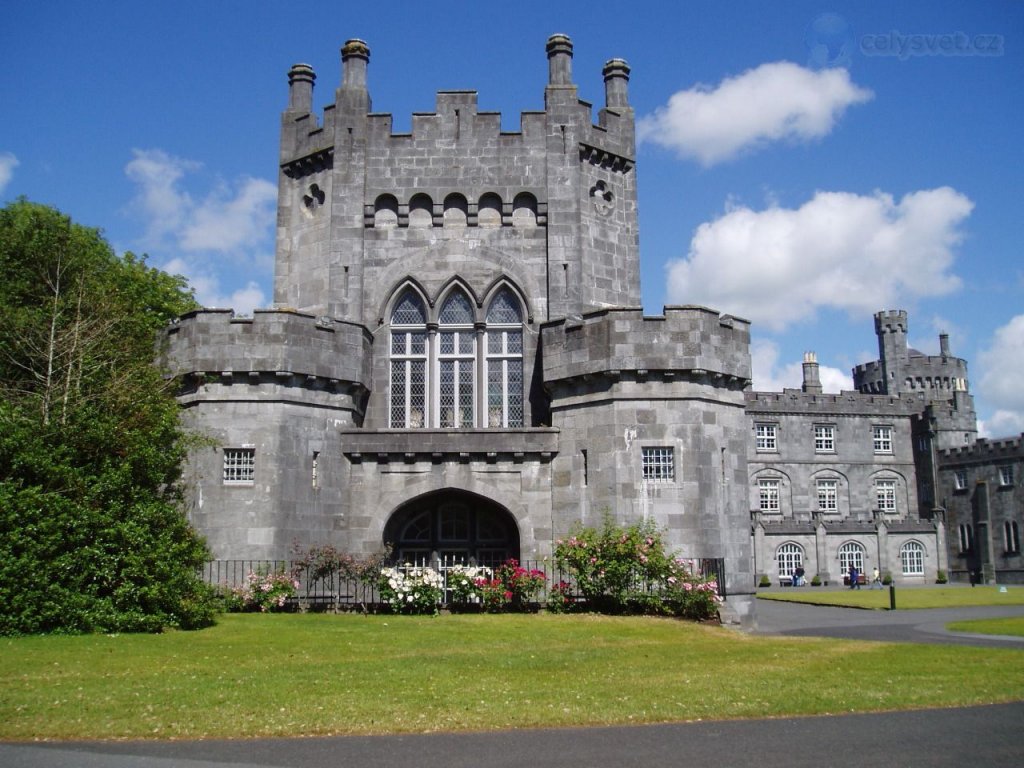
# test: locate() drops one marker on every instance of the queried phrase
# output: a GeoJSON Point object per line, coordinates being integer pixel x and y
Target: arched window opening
{"type": "Point", "coordinates": [455, 210]}
{"type": "Point", "coordinates": [912, 558]}
{"type": "Point", "coordinates": [459, 373]}
{"type": "Point", "coordinates": [851, 553]}
{"type": "Point", "coordinates": [456, 362]}
{"type": "Point", "coordinates": [789, 557]}
{"type": "Point", "coordinates": [452, 528]}
{"type": "Point", "coordinates": [489, 211]}
{"type": "Point", "coordinates": [966, 533]}
{"type": "Point", "coordinates": [504, 361]}
{"type": "Point", "coordinates": [385, 212]}
{"type": "Point", "coordinates": [408, 362]}
{"type": "Point", "coordinates": [1011, 537]}
{"type": "Point", "coordinates": [524, 210]}
{"type": "Point", "coordinates": [421, 211]}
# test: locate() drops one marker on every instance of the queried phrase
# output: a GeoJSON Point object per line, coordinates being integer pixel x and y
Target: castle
{"type": "Point", "coordinates": [457, 364]}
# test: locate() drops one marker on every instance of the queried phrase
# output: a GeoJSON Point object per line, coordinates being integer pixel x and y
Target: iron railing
{"type": "Point", "coordinates": [340, 591]}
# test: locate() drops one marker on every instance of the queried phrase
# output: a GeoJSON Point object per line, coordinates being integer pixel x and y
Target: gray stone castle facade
{"type": "Point", "coordinates": [456, 363]}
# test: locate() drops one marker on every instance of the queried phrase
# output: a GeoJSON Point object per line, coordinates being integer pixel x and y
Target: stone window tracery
{"type": "Point", "coordinates": [436, 370]}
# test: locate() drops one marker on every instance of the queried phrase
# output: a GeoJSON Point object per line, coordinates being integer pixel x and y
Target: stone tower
{"type": "Point", "coordinates": [456, 363]}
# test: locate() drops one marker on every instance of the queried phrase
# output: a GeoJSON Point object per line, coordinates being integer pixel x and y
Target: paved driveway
{"type": "Point", "coordinates": [953, 738]}
{"type": "Point", "coordinates": [921, 626]}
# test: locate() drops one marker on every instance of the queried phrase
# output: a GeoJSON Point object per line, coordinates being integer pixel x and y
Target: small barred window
{"type": "Point", "coordinates": [659, 465]}
{"type": "Point", "coordinates": [239, 466]}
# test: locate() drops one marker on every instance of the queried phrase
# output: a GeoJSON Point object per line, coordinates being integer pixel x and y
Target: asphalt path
{"type": "Point", "coordinates": [991, 736]}
{"type": "Point", "coordinates": [775, 617]}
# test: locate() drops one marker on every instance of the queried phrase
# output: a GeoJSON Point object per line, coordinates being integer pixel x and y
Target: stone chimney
{"type": "Point", "coordinates": [812, 380]}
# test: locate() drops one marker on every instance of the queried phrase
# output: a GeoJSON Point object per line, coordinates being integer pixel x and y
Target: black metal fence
{"type": "Point", "coordinates": [340, 592]}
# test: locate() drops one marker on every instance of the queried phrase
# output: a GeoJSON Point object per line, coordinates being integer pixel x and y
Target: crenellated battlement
{"type": "Point", "coordinates": [456, 119]}
{"type": "Point", "coordinates": [847, 403]}
{"type": "Point", "coordinates": [686, 340]}
{"type": "Point", "coordinates": [985, 449]}
{"type": "Point", "coordinates": [278, 344]}
{"type": "Point", "coordinates": [891, 321]}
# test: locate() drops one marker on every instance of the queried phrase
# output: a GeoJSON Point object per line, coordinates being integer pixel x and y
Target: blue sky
{"type": "Point", "coordinates": [802, 164]}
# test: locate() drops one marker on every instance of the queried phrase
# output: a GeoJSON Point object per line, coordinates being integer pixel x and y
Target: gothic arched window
{"type": "Point", "coordinates": [456, 360]}
{"type": "Point", "coordinates": [408, 362]}
{"type": "Point", "coordinates": [504, 361]}
{"type": "Point", "coordinates": [457, 373]}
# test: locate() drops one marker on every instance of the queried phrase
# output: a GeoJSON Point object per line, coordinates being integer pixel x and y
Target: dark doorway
{"type": "Point", "coordinates": [452, 527]}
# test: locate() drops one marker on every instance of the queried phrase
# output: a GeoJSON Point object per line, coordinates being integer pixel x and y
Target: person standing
{"type": "Point", "coordinates": [853, 577]}
{"type": "Point", "coordinates": [876, 578]}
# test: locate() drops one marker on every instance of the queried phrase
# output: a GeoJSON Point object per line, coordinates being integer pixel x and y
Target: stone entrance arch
{"type": "Point", "coordinates": [452, 526]}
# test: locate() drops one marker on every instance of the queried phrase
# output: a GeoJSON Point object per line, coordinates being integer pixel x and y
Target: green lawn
{"type": "Point", "coordinates": [906, 597]}
{"type": "Point", "coordinates": [1013, 625]}
{"type": "Point", "coordinates": [286, 675]}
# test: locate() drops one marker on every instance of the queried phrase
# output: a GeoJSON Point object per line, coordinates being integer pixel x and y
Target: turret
{"type": "Point", "coordinates": [300, 89]}
{"type": "Point", "coordinates": [353, 94]}
{"type": "Point", "coordinates": [891, 329]}
{"type": "Point", "coordinates": [616, 84]}
{"type": "Point", "coordinates": [559, 50]}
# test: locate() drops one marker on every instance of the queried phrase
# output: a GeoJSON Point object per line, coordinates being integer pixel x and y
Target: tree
{"type": "Point", "coordinates": [92, 533]}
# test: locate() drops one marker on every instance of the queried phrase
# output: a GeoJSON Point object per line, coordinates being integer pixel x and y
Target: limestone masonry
{"type": "Point", "coordinates": [457, 363]}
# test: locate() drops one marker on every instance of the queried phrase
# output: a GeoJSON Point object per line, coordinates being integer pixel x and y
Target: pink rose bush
{"type": "Point", "coordinates": [263, 591]}
{"type": "Point", "coordinates": [628, 570]}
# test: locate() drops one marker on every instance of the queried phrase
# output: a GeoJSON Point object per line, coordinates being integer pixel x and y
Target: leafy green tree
{"type": "Point", "coordinates": [92, 534]}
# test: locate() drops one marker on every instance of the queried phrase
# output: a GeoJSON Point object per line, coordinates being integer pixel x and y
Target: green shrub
{"type": "Point", "coordinates": [627, 569]}
{"type": "Point", "coordinates": [816, 580]}
{"type": "Point", "coordinates": [887, 578]}
{"type": "Point", "coordinates": [941, 578]}
{"type": "Point", "coordinates": [765, 581]}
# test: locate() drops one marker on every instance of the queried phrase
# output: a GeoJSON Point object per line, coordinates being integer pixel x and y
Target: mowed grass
{"type": "Point", "coordinates": [1013, 625]}
{"type": "Point", "coordinates": [907, 598]}
{"type": "Point", "coordinates": [292, 675]}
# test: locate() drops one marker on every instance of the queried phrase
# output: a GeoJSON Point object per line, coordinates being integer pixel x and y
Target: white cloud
{"type": "Point", "coordinates": [225, 223]}
{"type": "Point", "coordinates": [774, 102]}
{"type": "Point", "coordinates": [8, 162]}
{"type": "Point", "coordinates": [234, 219]}
{"type": "Point", "coordinates": [209, 292]}
{"type": "Point", "coordinates": [840, 250]}
{"type": "Point", "coordinates": [1002, 363]}
{"type": "Point", "coordinates": [769, 376]}
{"type": "Point", "coordinates": [163, 206]}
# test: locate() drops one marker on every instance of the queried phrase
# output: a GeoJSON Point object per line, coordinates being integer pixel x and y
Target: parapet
{"type": "Point", "coordinates": [279, 343]}
{"type": "Point", "coordinates": [686, 340]}
{"type": "Point", "coordinates": [843, 404]}
{"type": "Point", "coordinates": [985, 449]}
{"type": "Point", "coordinates": [891, 320]}
{"type": "Point", "coordinates": [455, 116]}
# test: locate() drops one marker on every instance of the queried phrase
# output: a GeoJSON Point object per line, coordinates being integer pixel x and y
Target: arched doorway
{"type": "Point", "coordinates": [452, 527]}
